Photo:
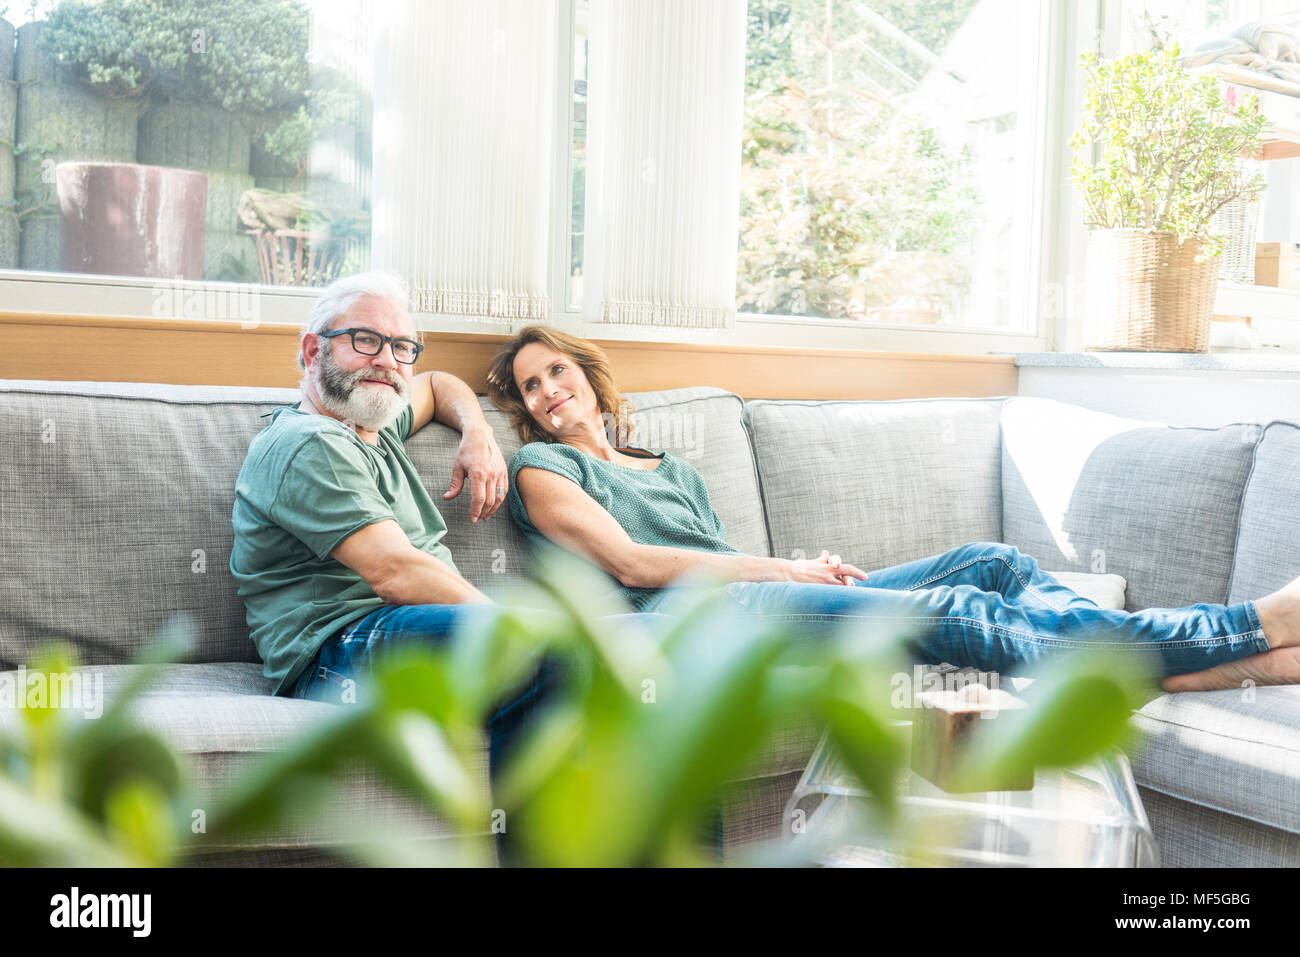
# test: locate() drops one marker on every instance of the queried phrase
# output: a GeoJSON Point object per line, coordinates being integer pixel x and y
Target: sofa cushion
{"type": "Point", "coordinates": [1268, 543]}
{"type": "Point", "coordinates": [705, 426]}
{"type": "Point", "coordinates": [1107, 591]}
{"type": "Point", "coordinates": [484, 552]}
{"type": "Point", "coordinates": [222, 717]}
{"type": "Point", "coordinates": [117, 499]}
{"type": "Point", "coordinates": [1189, 835]}
{"type": "Point", "coordinates": [126, 492]}
{"type": "Point", "coordinates": [878, 483]}
{"type": "Point", "coordinates": [1158, 505]}
{"type": "Point", "coordinates": [1236, 751]}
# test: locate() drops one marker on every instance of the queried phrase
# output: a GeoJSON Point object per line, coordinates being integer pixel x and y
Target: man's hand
{"type": "Point", "coordinates": [479, 463]}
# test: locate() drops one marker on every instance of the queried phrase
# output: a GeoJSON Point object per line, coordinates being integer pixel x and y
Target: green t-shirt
{"type": "Point", "coordinates": [668, 505]}
{"type": "Point", "coordinates": [308, 482]}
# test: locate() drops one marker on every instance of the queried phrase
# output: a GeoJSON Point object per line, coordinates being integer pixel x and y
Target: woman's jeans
{"type": "Point", "coordinates": [984, 605]}
{"type": "Point", "coordinates": [989, 606]}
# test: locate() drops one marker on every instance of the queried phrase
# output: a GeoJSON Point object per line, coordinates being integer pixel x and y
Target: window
{"type": "Point", "coordinates": [889, 161]}
{"type": "Point", "coordinates": [932, 149]}
{"type": "Point", "coordinates": [238, 136]}
{"type": "Point", "coordinates": [578, 152]}
{"type": "Point", "coordinates": [1237, 39]}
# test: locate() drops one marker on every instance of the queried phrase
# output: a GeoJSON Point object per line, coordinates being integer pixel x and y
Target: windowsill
{"type": "Point", "coordinates": [126, 299]}
{"type": "Point", "coordinates": [1265, 361]}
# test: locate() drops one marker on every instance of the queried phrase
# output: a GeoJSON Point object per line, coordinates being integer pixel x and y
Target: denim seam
{"type": "Point", "coordinates": [1042, 639]}
{"type": "Point", "coordinates": [993, 558]}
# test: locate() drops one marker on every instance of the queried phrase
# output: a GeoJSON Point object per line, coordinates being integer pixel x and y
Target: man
{"type": "Point", "coordinates": [338, 550]}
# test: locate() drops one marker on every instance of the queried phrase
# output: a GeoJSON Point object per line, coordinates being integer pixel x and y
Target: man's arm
{"type": "Point", "coordinates": [400, 573]}
{"type": "Point", "coordinates": [442, 397]}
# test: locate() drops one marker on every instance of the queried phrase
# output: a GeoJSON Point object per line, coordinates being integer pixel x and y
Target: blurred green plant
{"type": "Point", "coordinates": [1171, 147]}
{"type": "Point", "coordinates": [626, 766]}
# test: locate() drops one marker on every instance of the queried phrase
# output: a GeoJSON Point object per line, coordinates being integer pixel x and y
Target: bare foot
{"type": "Point", "coordinates": [1279, 615]}
{"type": "Point", "coordinates": [1278, 666]}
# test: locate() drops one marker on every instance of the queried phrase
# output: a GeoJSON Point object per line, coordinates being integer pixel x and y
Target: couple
{"type": "Point", "coordinates": [339, 558]}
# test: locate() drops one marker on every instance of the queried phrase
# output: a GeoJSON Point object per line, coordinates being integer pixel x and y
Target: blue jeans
{"type": "Point", "coordinates": [353, 651]}
{"type": "Point", "coordinates": [984, 605]}
{"type": "Point", "coordinates": [989, 606]}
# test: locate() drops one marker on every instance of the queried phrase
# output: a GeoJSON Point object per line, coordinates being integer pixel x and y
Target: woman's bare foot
{"type": "Point", "coordinates": [1279, 616]}
{"type": "Point", "coordinates": [1278, 666]}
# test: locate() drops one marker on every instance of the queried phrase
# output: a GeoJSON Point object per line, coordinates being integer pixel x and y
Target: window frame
{"type": "Point", "coordinates": [1056, 232]}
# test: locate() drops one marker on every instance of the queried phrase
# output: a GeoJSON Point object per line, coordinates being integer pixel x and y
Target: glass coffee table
{"type": "Point", "coordinates": [1088, 816]}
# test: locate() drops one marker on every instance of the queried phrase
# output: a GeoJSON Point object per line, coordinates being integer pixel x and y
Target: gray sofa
{"type": "Point", "coordinates": [117, 502]}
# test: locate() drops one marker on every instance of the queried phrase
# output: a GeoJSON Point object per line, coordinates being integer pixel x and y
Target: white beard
{"type": "Point", "coordinates": [369, 407]}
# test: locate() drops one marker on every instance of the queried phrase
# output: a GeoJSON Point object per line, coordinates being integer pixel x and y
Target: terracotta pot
{"type": "Point", "coordinates": [921, 317]}
{"type": "Point", "coordinates": [127, 219]}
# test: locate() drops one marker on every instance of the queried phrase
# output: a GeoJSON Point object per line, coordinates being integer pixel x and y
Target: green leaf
{"type": "Point", "coordinates": [141, 818]}
{"type": "Point", "coordinates": [44, 833]}
{"type": "Point", "coordinates": [1076, 710]}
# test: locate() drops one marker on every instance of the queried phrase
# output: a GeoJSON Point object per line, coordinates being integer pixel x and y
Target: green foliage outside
{"type": "Point", "coordinates": [1170, 147]}
{"type": "Point", "coordinates": [849, 202]}
{"type": "Point", "coordinates": [248, 57]}
{"type": "Point", "coordinates": [623, 769]}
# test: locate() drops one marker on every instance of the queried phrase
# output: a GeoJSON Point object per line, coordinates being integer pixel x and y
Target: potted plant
{"type": "Point", "coordinates": [301, 242]}
{"type": "Point", "coordinates": [1169, 159]}
{"type": "Point", "coordinates": [206, 81]}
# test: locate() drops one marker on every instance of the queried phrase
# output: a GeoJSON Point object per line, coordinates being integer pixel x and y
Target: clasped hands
{"type": "Point", "coordinates": [826, 569]}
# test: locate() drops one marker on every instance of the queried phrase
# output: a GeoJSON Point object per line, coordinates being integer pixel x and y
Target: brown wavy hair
{"type": "Point", "coordinates": [504, 391]}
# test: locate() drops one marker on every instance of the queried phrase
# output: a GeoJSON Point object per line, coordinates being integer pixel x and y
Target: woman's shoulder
{"type": "Point", "coordinates": [555, 456]}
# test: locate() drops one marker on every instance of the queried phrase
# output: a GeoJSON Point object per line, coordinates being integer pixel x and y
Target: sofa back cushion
{"type": "Point", "coordinates": [1158, 505]}
{"type": "Point", "coordinates": [701, 425]}
{"type": "Point", "coordinates": [878, 483]}
{"type": "Point", "coordinates": [117, 500]}
{"type": "Point", "coordinates": [705, 426]}
{"type": "Point", "coordinates": [1268, 544]}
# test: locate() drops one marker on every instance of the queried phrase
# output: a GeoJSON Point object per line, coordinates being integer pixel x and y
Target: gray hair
{"type": "Point", "coordinates": [342, 294]}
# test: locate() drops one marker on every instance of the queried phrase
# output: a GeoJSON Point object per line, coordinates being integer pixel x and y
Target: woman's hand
{"type": "Point", "coordinates": [826, 569]}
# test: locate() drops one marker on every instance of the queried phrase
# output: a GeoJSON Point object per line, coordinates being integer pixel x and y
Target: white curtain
{"type": "Point", "coordinates": [464, 94]}
{"type": "Point", "coordinates": [663, 189]}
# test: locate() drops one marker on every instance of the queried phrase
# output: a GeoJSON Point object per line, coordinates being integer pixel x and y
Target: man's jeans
{"type": "Point", "coordinates": [355, 649]}
{"type": "Point", "coordinates": [984, 605]}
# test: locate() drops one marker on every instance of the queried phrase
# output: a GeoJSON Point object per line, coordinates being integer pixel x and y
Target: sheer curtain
{"type": "Point", "coordinates": [664, 135]}
{"type": "Point", "coordinates": [464, 113]}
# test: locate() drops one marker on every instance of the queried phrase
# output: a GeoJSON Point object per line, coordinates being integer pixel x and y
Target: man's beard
{"type": "Point", "coordinates": [368, 407]}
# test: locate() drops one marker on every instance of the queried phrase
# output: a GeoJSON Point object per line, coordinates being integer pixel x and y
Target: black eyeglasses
{"type": "Point", "coordinates": [370, 343]}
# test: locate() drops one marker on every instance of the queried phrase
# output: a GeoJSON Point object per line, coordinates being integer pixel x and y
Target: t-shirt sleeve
{"type": "Point", "coordinates": [327, 492]}
{"type": "Point", "coordinates": [555, 458]}
{"type": "Point", "coordinates": [552, 457]}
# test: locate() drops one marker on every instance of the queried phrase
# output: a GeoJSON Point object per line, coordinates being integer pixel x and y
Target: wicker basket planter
{"type": "Point", "coordinates": [1239, 219]}
{"type": "Point", "coordinates": [1149, 294]}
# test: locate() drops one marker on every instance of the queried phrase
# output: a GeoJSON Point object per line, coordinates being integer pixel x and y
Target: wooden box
{"type": "Point", "coordinates": [942, 727]}
{"type": "Point", "coordinates": [1277, 264]}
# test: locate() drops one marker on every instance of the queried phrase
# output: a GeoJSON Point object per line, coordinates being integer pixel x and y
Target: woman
{"type": "Point", "coordinates": [646, 520]}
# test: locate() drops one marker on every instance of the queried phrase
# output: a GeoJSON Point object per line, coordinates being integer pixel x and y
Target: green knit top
{"type": "Point", "coordinates": [667, 505]}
